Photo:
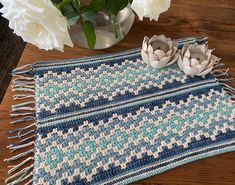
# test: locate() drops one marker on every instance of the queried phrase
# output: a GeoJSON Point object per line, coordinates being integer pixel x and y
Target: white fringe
{"type": "Point", "coordinates": [24, 112]}
{"type": "Point", "coordinates": [21, 172]}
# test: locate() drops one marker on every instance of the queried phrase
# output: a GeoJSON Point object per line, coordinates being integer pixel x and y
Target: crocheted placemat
{"type": "Point", "coordinates": [111, 119]}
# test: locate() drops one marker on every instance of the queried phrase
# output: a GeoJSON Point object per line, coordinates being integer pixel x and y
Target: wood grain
{"type": "Point", "coordinates": [212, 18]}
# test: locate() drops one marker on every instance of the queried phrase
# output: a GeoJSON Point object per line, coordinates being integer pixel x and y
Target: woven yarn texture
{"type": "Point", "coordinates": [112, 119]}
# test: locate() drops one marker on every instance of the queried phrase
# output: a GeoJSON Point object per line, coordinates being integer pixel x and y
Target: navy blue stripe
{"type": "Point", "coordinates": [123, 111]}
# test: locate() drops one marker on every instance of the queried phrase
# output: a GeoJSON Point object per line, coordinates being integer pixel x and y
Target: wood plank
{"type": "Point", "coordinates": [229, 4]}
{"type": "Point", "coordinates": [212, 18]}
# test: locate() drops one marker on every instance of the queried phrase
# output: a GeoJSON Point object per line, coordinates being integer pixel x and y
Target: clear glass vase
{"type": "Point", "coordinates": [109, 30]}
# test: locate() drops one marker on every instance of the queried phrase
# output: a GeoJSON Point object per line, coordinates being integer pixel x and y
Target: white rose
{"type": "Point", "coordinates": [150, 8]}
{"type": "Point", "coordinates": [38, 22]}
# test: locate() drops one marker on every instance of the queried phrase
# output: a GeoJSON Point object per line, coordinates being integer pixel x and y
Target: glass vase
{"type": "Point", "coordinates": [109, 29]}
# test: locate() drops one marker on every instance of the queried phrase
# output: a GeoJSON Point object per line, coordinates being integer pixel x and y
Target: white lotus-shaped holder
{"type": "Point", "coordinates": [196, 59]}
{"type": "Point", "coordinates": [159, 51]}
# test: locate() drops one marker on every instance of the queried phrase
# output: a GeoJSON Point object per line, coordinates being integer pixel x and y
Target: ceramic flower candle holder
{"type": "Point", "coordinates": [159, 51]}
{"type": "Point", "coordinates": [196, 59]}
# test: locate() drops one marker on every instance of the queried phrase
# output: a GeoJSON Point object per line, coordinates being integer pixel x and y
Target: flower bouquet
{"type": "Point", "coordinates": [46, 23]}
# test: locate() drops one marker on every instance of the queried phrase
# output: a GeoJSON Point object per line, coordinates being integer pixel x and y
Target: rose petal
{"type": "Point", "coordinates": [151, 8]}
{"type": "Point", "coordinates": [139, 10]}
{"type": "Point", "coordinates": [32, 21]}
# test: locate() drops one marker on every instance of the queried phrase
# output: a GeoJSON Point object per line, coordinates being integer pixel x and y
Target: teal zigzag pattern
{"type": "Point", "coordinates": [115, 142]}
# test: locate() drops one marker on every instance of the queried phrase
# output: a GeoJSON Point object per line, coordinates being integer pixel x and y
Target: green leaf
{"type": "Point", "coordinates": [89, 15]}
{"type": "Point", "coordinates": [97, 5]}
{"type": "Point", "coordinates": [89, 31]}
{"type": "Point", "coordinates": [114, 6]}
{"type": "Point", "coordinates": [67, 9]}
{"type": "Point", "coordinates": [76, 4]}
{"type": "Point", "coordinates": [84, 9]}
{"type": "Point", "coordinates": [73, 20]}
{"type": "Point", "coordinates": [71, 15]}
{"type": "Point", "coordinates": [63, 3]}
{"type": "Point", "coordinates": [56, 1]}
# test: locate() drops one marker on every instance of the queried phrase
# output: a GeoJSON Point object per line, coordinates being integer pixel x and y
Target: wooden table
{"type": "Point", "coordinates": [212, 18]}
